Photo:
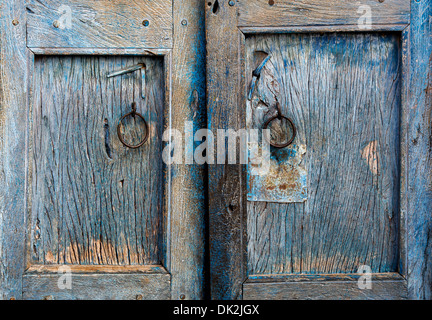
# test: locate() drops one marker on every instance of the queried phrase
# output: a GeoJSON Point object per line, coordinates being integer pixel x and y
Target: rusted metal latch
{"type": "Point", "coordinates": [133, 114]}
{"type": "Point", "coordinates": [291, 124]}
{"type": "Point", "coordinates": [140, 66]}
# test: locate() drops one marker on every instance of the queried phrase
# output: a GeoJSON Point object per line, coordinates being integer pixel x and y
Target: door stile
{"type": "Point", "coordinates": [227, 195]}
{"type": "Point", "coordinates": [419, 154]}
{"type": "Point", "coordinates": [14, 121]}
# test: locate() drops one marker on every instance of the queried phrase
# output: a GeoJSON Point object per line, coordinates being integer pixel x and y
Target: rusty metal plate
{"type": "Point", "coordinates": [286, 180]}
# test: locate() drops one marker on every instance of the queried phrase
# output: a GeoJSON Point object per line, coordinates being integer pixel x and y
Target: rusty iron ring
{"type": "Point", "coordinates": [133, 113]}
{"type": "Point", "coordinates": [280, 116]}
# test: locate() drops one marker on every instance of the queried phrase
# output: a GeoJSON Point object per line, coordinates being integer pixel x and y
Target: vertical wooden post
{"type": "Point", "coordinates": [419, 162]}
{"type": "Point", "coordinates": [226, 110]}
{"type": "Point", "coordinates": [187, 201]}
{"type": "Point", "coordinates": [13, 148]}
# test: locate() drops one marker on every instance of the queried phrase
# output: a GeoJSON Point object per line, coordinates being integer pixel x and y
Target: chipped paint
{"type": "Point", "coordinates": [370, 154]}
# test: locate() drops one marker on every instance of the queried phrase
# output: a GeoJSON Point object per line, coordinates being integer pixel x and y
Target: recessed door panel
{"type": "Point", "coordinates": [342, 91]}
{"type": "Point", "coordinates": [94, 200]}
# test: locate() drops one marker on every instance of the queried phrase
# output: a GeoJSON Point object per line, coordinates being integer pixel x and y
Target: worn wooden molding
{"type": "Point", "coordinates": [314, 13]}
{"type": "Point", "coordinates": [387, 286]}
{"type": "Point", "coordinates": [97, 283]}
{"type": "Point", "coordinates": [99, 51]}
{"type": "Point", "coordinates": [93, 24]}
{"type": "Point", "coordinates": [96, 269]}
{"type": "Point", "coordinates": [329, 28]}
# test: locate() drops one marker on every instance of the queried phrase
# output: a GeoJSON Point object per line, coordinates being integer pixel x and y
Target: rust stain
{"type": "Point", "coordinates": [286, 180]}
{"type": "Point", "coordinates": [370, 154]}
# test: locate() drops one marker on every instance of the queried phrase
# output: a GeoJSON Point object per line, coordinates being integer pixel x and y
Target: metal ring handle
{"type": "Point", "coordinates": [133, 114]}
{"type": "Point", "coordinates": [280, 116]}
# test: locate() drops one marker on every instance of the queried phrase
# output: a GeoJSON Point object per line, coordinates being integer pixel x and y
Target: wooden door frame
{"type": "Point", "coordinates": [184, 213]}
{"type": "Point", "coordinates": [227, 24]}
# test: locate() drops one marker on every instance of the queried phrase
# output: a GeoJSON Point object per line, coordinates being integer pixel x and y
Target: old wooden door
{"type": "Point", "coordinates": [72, 193]}
{"type": "Point", "coordinates": [352, 192]}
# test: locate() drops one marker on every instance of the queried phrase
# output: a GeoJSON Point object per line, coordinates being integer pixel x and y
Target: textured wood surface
{"type": "Point", "coordinates": [186, 202]}
{"type": "Point", "coordinates": [384, 287]}
{"type": "Point", "coordinates": [100, 24]}
{"type": "Point", "coordinates": [227, 192]}
{"type": "Point", "coordinates": [419, 144]}
{"type": "Point", "coordinates": [118, 285]}
{"type": "Point", "coordinates": [346, 109]}
{"type": "Point", "coordinates": [13, 148]}
{"type": "Point", "coordinates": [289, 13]}
{"type": "Point", "coordinates": [94, 201]}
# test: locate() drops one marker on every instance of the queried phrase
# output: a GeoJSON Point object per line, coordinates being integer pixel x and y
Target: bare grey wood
{"type": "Point", "coordinates": [261, 13]}
{"type": "Point", "coordinates": [100, 24]}
{"type": "Point", "coordinates": [95, 201]}
{"type": "Point", "coordinates": [346, 108]}
{"type": "Point", "coordinates": [332, 287]}
{"type": "Point", "coordinates": [13, 147]}
{"type": "Point", "coordinates": [97, 283]}
{"type": "Point", "coordinates": [186, 202]}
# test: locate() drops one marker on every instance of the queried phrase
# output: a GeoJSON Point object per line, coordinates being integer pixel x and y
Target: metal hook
{"type": "Point", "coordinates": [130, 69]}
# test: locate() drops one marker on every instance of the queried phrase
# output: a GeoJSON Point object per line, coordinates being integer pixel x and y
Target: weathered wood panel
{"type": "Point", "coordinates": [227, 192]}
{"type": "Point", "coordinates": [389, 286]}
{"type": "Point", "coordinates": [94, 201]}
{"type": "Point", "coordinates": [419, 145]}
{"type": "Point", "coordinates": [13, 151]}
{"type": "Point", "coordinates": [100, 24]}
{"type": "Point", "coordinates": [98, 283]}
{"type": "Point", "coordinates": [343, 93]}
{"type": "Point", "coordinates": [186, 202]}
{"type": "Point", "coordinates": [342, 13]}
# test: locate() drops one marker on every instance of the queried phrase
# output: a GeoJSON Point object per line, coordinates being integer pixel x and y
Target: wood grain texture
{"type": "Point", "coordinates": [227, 192]}
{"type": "Point", "coordinates": [186, 202]}
{"type": "Point", "coordinates": [343, 93]}
{"type": "Point", "coordinates": [13, 151]}
{"type": "Point", "coordinates": [100, 24]}
{"type": "Point", "coordinates": [94, 201]}
{"type": "Point", "coordinates": [259, 13]}
{"type": "Point", "coordinates": [98, 286]}
{"type": "Point", "coordinates": [342, 287]}
{"type": "Point", "coordinates": [419, 146]}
